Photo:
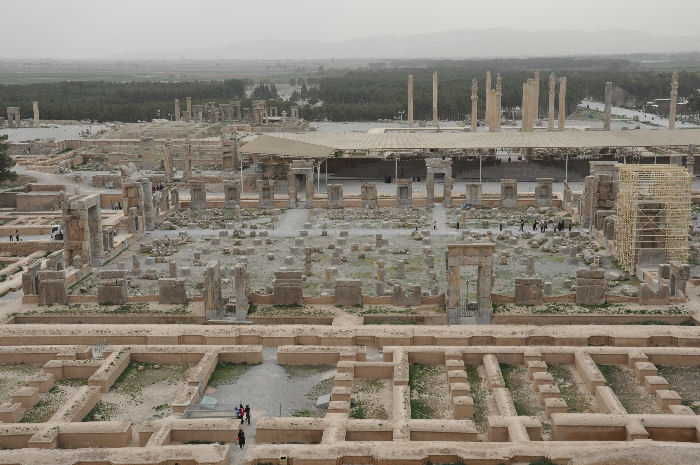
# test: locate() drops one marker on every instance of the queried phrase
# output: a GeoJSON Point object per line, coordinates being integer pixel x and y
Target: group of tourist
{"type": "Point", "coordinates": [16, 235]}
{"type": "Point", "coordinates": [243, 414]}
{"type": "Point", "coordinates": [542, 224]}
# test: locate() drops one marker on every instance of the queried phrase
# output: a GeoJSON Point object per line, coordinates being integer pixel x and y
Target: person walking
{"type": "Point", "coordinates": [434, 225]}
{"type": "Point", "coordinates": [534, 225]}
{"type": "Point", "coordinates": [10, 236]}
{"type": "Point", "coordinates": [500, 226]}
{"type": "Point", "coordinates": [241, 412]}
{"type": "Point", "coordinates": [241, 438]}
{"type": "Point", "coordinates": [247, 413]}
{"type": "Point", "coordinates": [17, 235]}
{"type": "Point", "coordinates": [522, 225]}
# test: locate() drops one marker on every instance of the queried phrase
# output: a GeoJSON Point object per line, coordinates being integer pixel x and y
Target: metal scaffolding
{"type": "Point", "coordinates": [653, 211]}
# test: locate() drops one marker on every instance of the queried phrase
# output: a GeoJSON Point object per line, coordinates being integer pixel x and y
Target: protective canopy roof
{"type": "Point", "coordinates": [319, 145]}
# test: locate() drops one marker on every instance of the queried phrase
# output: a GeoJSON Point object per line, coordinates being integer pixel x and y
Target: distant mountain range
{"type": "Point", "coordinates": [456, 44]}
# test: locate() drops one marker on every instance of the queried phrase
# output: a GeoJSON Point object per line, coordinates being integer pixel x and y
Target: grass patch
{"type": "Point", "coordinates": [419, 378]}
{"type": "Point", "coordinates": [304, 371]}
{"type": "Point", "coordinates": [478, 394]}
{"type": "Point", "coordinates": [104, 410]}
{"type": "Point", "coordinates": [358, 412]}
{"type": "Point", "coordinates": [227, 373]}
{"type": "Point", "coordinates": [132, 380]}
{"type": "Point", "coordinates": [516, 381]}
{"type": "Point", "coordinates": [564, 380]}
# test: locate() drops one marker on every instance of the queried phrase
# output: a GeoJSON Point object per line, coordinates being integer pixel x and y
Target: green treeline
{"type": "Point", "coordinates": [360, 95]}
{"type": "Point", "coordinates": [111, 101]}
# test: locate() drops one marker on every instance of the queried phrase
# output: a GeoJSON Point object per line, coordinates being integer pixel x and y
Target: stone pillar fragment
{"type": "Point", "coordinates": [562, 103]}
{"type": "Point", "coordinates": [475, 100]}
{"type": "Point", "coordinates": [673, 102]}
{"type": "Point", "coordinates": [435, 97]}
{"type": "Point", "coordinates": [410, 99]}
{"type": "Point", "coordinates": [177, 110]}
{"type": "Point", "coordinates": [232, 193]}
{"type": "Point", "coordinates": [369, 196]}
{"type": "Point", "coordinates": [213, 300]}
{"type": "Point", "coordinates": [35, 108]}
{"type": "Point", "coordinates": [550, 110]}
{"type": "Point", "coordinates": [241, 282]}
{"type": "Point", "coordinates": [608, 106]}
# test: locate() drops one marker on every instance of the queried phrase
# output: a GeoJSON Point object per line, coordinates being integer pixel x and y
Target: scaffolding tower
{"type": "Point", "coordinates": [653, 211]}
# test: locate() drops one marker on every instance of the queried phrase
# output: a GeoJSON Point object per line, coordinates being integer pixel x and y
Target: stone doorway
{"type": "Point", "coordinates": [481, 256]}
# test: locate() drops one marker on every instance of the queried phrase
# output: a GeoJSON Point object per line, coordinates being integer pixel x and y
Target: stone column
{"type": "Point", "coordinates": [487, 115]}
{"type": "Point", "coordinates": [475, 100]}
{"type": "Point", "coordinates": [242, 288]}
{"type": "Point", "coordinates": [410, 99]}
{"type": "Point", "coordinates": [524, 110]}
{"type": "Point", "coordinates": [536, 107]}
{"type": "Point", "coordinates": [177, 110]}
{"type": "Point", "coordinates": [452, 287]}
{"type": "Point", "coordinates": [187, 171]}
{"type": "Point", "coordinates": [672, 103]}
{"type": "Point", "coordinates": [562, 103]}
{"type": "Point", "coordinates": [435, 97]}
{"type": "Point", "coordinates": [532, 103]}
{"type": "Point", "coordinates": [690, 161]}
{"type": "Point", "coordinates": [35, 107]}
{"type": "Point", "coordinates": [492, 110]}
{"type": "Point", "coordinates": [429, 190]}
{"type": "Point", "coordinates": [189, 105]}
{"type": "Point", "coordinates": [292, 188]}
{"type": "Point", "coordinates": [608, 106]}
{"type": "Point", "coordinates": [552, 84]}
{"type": "Point", "coordinates": [168, 162]}
{"type": "Point", "coordinates": [483, 288]}
{"type": "Point", "coordinates": [447, 191]}
{"type": "Point", "coordinates": [497, 103]}
{"type": "Point", "coordinates": [310, 189]}
{"type": "Point", "coordinates": [213, 301]}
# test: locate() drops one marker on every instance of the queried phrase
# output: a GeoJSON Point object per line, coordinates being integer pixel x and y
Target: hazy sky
{"type": "Point", "coordinates": [101, 28]}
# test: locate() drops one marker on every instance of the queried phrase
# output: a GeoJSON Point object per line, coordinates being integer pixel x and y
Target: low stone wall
{"type": "Point", "coordinates": [291, 320]}
{"type": "Point", "coordinates": [115, 319]}
{"type": "Point", "coordinates": [24, 248]}
{"type": "Point", "coordinates": [595, 319]}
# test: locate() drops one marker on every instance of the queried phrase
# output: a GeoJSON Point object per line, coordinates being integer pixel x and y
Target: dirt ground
{"type": "Point", "coordinates": [572, 388]}
{"type": "Point", "coordinates": [51, 401]}
{"type": "Point", "coordinates": [141, 395]}
{"type": "Point", "coordinates": [686, 382]}
{"type": "Point", "coordinates": [430, 397]}
{"type": "Point", "coordinates": [373, 399]}
{"type": "Point", "coordinates": [13, 377]}
{"type": "Point", "coordinates": [631, 393]}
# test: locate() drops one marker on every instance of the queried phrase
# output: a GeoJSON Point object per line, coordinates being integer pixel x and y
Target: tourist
{"type": "Point", "coordinates": [522, 225]}
{"type": "Point", "coordinates": [10, 236]}
{"type": "Point", "coordinates": [241, 438]}
{"type": "Point", "coordinates": [534, 225]}
{"type": "Point", "coordinates": [500, 226]}
{"type": "Point", "coordinates": [457, 224]}
{"type": "Point", "coordinates": [241, 412]}
{"type": "Point", "coordinates": [569, 227]}
{"type": "Point", "coordinates": [247, 413]}
{"type": "Point", "coordinates": [434, 225]}
{"type": "Point", "coordinates": [17, 235]}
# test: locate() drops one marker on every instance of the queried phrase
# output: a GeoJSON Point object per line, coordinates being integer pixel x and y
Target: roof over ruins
{"type": "Point", "coordinates": [319, 145]}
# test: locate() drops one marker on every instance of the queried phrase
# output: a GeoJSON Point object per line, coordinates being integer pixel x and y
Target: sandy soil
{"type": "Point", "coordinates": [373, 399]}
{"type": "Point", "coordinates": [13, 377]}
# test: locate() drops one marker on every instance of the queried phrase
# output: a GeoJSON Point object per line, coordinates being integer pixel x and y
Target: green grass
{"type": "Point", "coordinates": [304, 371]}
{"type": "Point", "coordinates": [419, 377]}
{"type": "Point", "coordinates": [564, 380]}
{"type": "Point", "coordinates": [106, 411]}
{"type": "Point", "coordinates": [480, 417]}
{"type": "Point", "coordinates": [303, 413]}
{"type": "Point", "coordinates": [227, 373]}
{"type": "Point", "coordinates": [358, 412]}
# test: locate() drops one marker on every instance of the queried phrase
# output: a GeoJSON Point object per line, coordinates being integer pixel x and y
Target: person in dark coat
{"type": "Point", "coordinates": [241, 438]}
{"type": "Point", "coordinates": [247, 413]}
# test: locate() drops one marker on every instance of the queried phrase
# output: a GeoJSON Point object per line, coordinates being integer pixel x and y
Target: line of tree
{"type": "Point", "coordinates": [6, 162]}
{"type": "Point", "coordinates": [359, 95]}
{"type": "Point", "coordinates": [112, 101]}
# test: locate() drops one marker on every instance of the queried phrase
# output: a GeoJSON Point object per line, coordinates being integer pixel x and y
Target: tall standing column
{"type": "Point", "coordinates": [475, 100]}
{"type": "Point", "coordinates": [536, 107]}
{"type": "Point", "coordinates": [523, 109]}
{"type": "Point", "coordinates": [189, 106]}
{"type": "Point", "coordinates": [562, 103]}
{"type": "Point", "coordinates": [177, 110]}
{"type": "Point", "coordinates": [497, 104]}
{"type": "Point", "coordinates": [410, 99]}
{"type": "Point", "coordinates": [453, 287]}
{"type": "Point", "coordinates": [487, 115]}
{"type": "Point", "coordinates": [532, 103]}
{"type": "Point", "coordinates": [552, 84]}
{"type": "Point", "coordinates": [608, 106]}
{"type": "Point", "coordinates": [35, 107]}
{"type": "Point", "coordinates": [672, 103]}
{"type": "Point", "coordinates": [435, 97]}
{"type": "Point", "coordinates": [492, 110]}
